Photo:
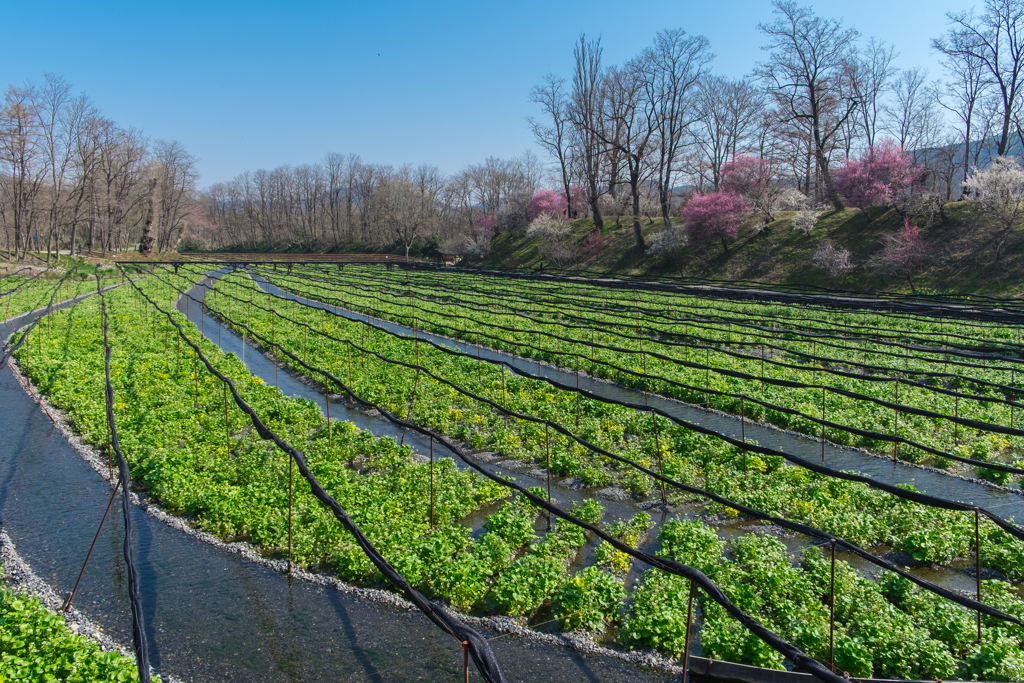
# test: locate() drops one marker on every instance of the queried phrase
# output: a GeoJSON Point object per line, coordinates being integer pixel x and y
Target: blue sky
{"type": "Point", "coordinates": [256, 85]}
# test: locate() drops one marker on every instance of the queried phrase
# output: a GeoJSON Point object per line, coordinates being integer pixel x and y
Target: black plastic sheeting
{"type": "Point", "coordinates": [794, 526]}
{"type": "Point", "coordinates": [617, 307]}
{"type": "Point", "coordinates": [997, 310]}
{"type": "Point", "coordinates": [138, 620]}
{"type": "Point", "coordinates": [9, 349]}
{"type": "Point", "coordinates": [879, 436]}
{"type": "Point", "coordinates": [479, 648]}
{"type": "Point", "coordinates": [791, 652]}
{"type": "Point", "coordinates": [898, 491]}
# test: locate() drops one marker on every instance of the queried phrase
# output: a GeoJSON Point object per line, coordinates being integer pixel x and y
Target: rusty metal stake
{"type": "Point", "coordinates": [547, 447]}
{"type": "Point", "coordinates": [823, 424]}
{"type": "Point", "coordinates": [577, 391]}
{"type": "Point", "coordinates": [661, 466]}
{"type": "Point", "coordinates": [290, 488]}
{"type": "Point", "coordinates": [686, 643]}
{"type": "Point", "coordinates": [431, 481]}
{"type": "Point", "coordinates": [977, 566]}
{"type": "Point", "coordinates": [465, 659]}
{"type": "Point", "coordinates": [832, 610]}
{"type": "Point", "coordinates": [67, 604]}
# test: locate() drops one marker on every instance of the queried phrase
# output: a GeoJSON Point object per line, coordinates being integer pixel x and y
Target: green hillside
{"type": "Point", "coordinates": [963, 252]}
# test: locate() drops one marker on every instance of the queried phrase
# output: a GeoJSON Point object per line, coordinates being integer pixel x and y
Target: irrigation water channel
{"type": "Point", "coordinates": [212, 615]}
{"type": "Point", "coordinates": [1005, 503]}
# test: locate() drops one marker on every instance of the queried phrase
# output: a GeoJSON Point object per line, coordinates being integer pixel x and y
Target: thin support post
{"type": "Point", "coordinates": [113, 494]}
{"type": "Point", "coordinates": [290, 489]}
{"type": "Point", "coordinates": [832, 610]}
{"type": "Point", "coordinates": [686, 643]}
{"type": "Point", "coordinates": [823, 424]}
{"type": "Point", "coordinates": [743, 434]}
{"type": "Point", "coordinates": [431, 481]}
{"type": "Point", "coordinates": [661, 465]}
{"type": "Point", "coordinates": [227, 421]}
{"type": "Point", "coordinates": [327, 402]}
{"type": "Point", "coordinates": [578, 392]}
{"type": "Point", "coordinates": [465, 660]}
{"type": "Point", "coordinates": [707, 378]}
{"type": "Point", "coordinates": [547, 448]}
{"type": "Point", "coordinates": [896, 426]}
{"type": "Point", "coordinates": [977, 567]}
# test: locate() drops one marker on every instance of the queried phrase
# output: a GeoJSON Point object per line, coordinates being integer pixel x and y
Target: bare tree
{"type": "Point", "coordinates": [556, 136]}
{"type": "Point", "coordinates": [995, 39]}
{"type": "Point", "coordinates": [807, 76]}
{"type": "Point", "coordinates": [728, 115]}
{"type": "Point", "coordinates": [675, 64]}
{"type": "Point", "coordinates": [912, 117]}
{"type": "Point", "coordinates": [963, 92]}
{"type": "Point", "coordinates": [585, 115]}
{"type": "Point", "coordinates": [871, 70]}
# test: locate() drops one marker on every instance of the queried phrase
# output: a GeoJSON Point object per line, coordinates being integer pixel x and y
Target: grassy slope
{"type": "Point", "coordinates": [963, 257]}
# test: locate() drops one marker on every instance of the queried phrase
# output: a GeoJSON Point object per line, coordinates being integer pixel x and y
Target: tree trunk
{"type": "Point", "coordinates": [725, 245]}
{"type": "Point", "coordinates": [146, 243]}
{"type": "Point", "coordinates": [830, 187]}
{"type": "Point", "coordinates": [637, 232]}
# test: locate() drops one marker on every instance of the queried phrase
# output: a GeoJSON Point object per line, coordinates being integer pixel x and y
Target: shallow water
{"type": "Point", "coordinates": [214, 616]}
{"type": "Point", "coordinates": [1004, 503]}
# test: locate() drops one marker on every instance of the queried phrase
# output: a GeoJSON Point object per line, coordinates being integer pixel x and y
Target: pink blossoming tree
{"type": "Point", "coordinates": [904, 252]}
{"type": "Point", "coordinates": [715, 216]}
{"type": "Point", "coordinates": [878, 178]}
{"type": "Point", "coordinates": [549, 203]}
{"type": "Point", "coordinates": [753, 179]}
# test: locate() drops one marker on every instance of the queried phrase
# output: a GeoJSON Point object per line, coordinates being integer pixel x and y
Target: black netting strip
{"type": "Point", "coordinates": [895, 490]}
{"type": "Point", "coordinates": [479, 648]}
{"type": "Point", "coordinates": [138, 619]}
{"type": "Point", "coordinates": [9, 348]}
{"type": "Point", "coordinates": [880, 436]}
{"type": "Point", "coordinates": [793, 526]}
{"type": "Point", "coordinates": [558, 294]}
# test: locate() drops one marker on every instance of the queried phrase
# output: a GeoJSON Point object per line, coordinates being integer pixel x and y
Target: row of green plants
{"type": "Point", "coordinates": [36, 645]}
{"type": "Point", "coordinates": [36, 293]}
{"type": "Point", "coordinates": [199, 458]}
{"type": "Point", "coordinates": [237, 487]}
{"type": "Point", "coordinates": [884, 628]}
{"type": "Point", "coordinates": [391, 300]}
{"type": "Point", "coordinates": [804, 317]}
{"type": "Point", "coordinates": [851, 510]}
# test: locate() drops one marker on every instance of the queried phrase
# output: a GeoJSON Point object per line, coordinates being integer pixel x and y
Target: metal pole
{"type": "Point", "coordinates": [290, 485]}
{"type": "Point", "coordinates": [67, 604]}
{"type": "Point", "coordinates": [977, 567]}
{"type": "Point", "coordinates": [431, 481]}
{"type": "Point", "coordinates": [743, 434]}
{"type": "Point", "coordinates": [227, 423]}
{"type": "Point", "coordinates": [896, 426]}
{"type": "Point", "coordinates": [547, 447]}
{"type": "Point", "coordinates": [465, 659]}
{"type": "Point", "coordinates": [823, 424]}
{"type": "Point", "coordinates": [327, 402]}
{"type": "Point", "coordinates": [578, 394]}
{"type": "Point", "coordinates": [707, 378]}
{"type": "Point", "coordinates": [832, 610]}
{"type": "Point", "coordinates": [686, 643]}
{"type": "Point", "coordinates": [661, 466]}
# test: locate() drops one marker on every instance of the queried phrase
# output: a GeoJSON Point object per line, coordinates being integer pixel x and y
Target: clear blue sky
{"type": "Point", "coordinates": [256, 85]}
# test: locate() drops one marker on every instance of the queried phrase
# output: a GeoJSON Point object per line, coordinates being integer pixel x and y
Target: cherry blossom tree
{"type": "Point", "coordinates": [715, 216]}
{"type": "Point", "coordinates": [753, 179]}
{"type": "Point", "coordinates": [878, 178]}
{"type": "Point", "coordinates": [547, 202]}
{"type": "Point", "coordinates": [904, 252]}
